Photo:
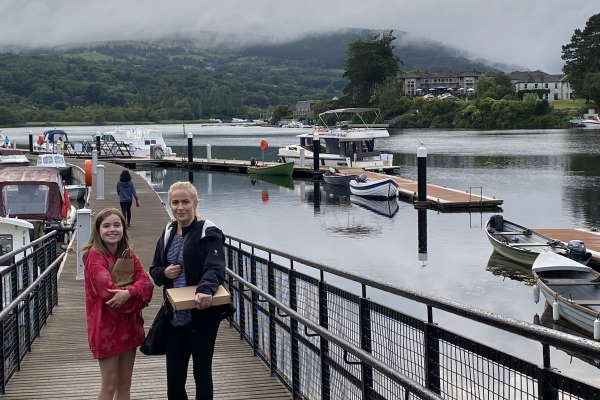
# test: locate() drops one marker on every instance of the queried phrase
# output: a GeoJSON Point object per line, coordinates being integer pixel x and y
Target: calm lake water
{"type": "Point", "coordinates": [547, 179]}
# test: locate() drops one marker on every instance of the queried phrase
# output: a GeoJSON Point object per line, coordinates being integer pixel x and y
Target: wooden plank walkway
{"type": "Point", "coordinates": [61, 366]}
{"type": "Point", "coordinates": [438, 197]}
{"type": "Point", "coordinates": [591, 239]}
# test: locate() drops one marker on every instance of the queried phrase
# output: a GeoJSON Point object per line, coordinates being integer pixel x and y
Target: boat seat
{"type": "Point", "coordinates": [571, 282]}
{"type": "Point", "coordinates": [513, 233]}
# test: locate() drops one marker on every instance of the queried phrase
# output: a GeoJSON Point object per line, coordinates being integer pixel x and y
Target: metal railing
{"type": "Point", "coordinates": [325, 342]}
{"type": "Point", "coordinates": [28, 293]}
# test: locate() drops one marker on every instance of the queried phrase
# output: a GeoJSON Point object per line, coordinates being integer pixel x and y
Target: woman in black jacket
{"type": "Point", "coordinates": [190, 252]}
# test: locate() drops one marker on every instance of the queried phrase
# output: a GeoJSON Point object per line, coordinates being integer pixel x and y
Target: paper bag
{"type": "Point", "coordinates": [184, 298]}
{"type": "Point", "coordinates": [121, 271]}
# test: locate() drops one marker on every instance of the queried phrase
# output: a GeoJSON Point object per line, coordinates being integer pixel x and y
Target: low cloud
{"type": "Point", "coordinates": [527, 33]}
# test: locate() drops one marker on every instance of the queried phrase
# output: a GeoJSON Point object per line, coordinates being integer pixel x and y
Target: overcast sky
{"type": "Point", "coordinates": [522, 32]}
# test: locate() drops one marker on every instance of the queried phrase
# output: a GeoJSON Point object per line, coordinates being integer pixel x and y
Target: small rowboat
{"type": "Point", "coordinates": [279, 169]}
{"type": "Point", "coordinates": [570, 288]}
{"type": "Point", "coordinates": [381, 188]}
{"type": "Point", "coordinates": [522, 245]}
{"type": "Point", "coordinates": [338, 179]}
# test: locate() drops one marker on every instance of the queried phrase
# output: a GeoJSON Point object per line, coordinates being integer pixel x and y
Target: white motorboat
{"type": "Point", "coordinates": [381, 188]}
{"type": "Point", "coordinates": [570, 288]}
{"type": "Point", "coordinates": [141, 142]}
{"type": "Point", "coordinates": [55, 160]}
{"type": "Point", "coordinates": [15, 233]}
{"type": "Point", "coordinates": [13, 160]}
{"type": "Point", "coordinates": [345, 144]}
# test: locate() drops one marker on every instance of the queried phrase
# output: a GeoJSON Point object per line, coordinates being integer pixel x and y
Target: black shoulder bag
{"type": "Point", "coordinates": [156, 340]}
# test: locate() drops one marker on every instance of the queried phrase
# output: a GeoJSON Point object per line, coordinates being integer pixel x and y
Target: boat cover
{"type": "Point", "coordinates": [32, 193]}
{"type": "Point", "coordinates": [550, 261]}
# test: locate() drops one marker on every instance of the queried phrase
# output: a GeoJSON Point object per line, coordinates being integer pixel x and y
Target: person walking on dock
{"type": "Point", "coordinates": [126, 192]}
{"type": "Point", "coordinates": [190, 252]}
{"type": "Point", "coordinates": [114, 314]}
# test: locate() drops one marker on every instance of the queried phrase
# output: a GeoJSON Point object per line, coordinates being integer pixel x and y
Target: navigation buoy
{"type": "Point", "coordinates": [536, 294]}
{"type": "Point", "coordinates": [555, 313]}
{"type": "Point", "coordinates": [597, 329]}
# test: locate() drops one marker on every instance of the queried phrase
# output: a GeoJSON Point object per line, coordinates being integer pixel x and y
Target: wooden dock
{"type": "Point", "coordinates": [591, 239]}
{"type": "Point", "coordinates": [439, 197]}
{"type": "Point", "coordinates": [60, 365]}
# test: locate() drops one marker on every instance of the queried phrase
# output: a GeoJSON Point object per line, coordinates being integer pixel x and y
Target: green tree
{"type": "Point", "coordinates": [591, 83]}
{"type": "Point", "coordinates": [582, 55]}
{"type": "Point", "coordinates": [495, 87]}
{"type": "Point", "coordinates": [280, 111]}
{"type": "Point", "coordinates": [368, 65]}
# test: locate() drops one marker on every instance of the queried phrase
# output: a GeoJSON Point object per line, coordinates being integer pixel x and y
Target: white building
{"type": "Point", "coordinates": [553, 87]}
{"type": "Point", "coordinates": [421, 83]}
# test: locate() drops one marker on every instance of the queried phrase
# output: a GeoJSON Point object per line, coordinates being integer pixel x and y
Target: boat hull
{"type": "Point", "coordinates": [575, 315]}
{"type": "Point", "coordinates": [276, 170]}
{"type": "Point", "coordinates": [380, 189]}
{"type": "Point", "coordinates": [339, 180]}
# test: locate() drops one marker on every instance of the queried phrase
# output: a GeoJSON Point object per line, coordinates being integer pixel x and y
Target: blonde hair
{"type": "Point", "coordinates": [96, 242]}
{"type": "Point", "coordinates": [185, 186]}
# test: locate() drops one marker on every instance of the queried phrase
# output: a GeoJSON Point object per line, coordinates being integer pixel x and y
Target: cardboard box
{"type": "Point", "coordinates": [184, 298]}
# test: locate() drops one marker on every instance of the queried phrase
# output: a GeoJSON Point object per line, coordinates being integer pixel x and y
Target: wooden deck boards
{"type": "Point", "coordinates": [591, 239]}
{"type": "Point", "coordinates": [61, 366]}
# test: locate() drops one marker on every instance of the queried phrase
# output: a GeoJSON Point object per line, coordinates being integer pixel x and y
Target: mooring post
{"type": "Point", "coordinates": [302, 153]}
{"type": "Point", "coordinates": [84, 229]}
{"type": "Point", "coordinates": [316, 148]}
{"type": "Point", "coordinates": [100, 183]}
{"type": "Point", "coordinates": [422, 173]}
{"type": "Point", "coordinates": [31, 143]}
{"type": "Point", "coordinates": [208, 152]}
{"type": "Point", "coordinates": [317, 197]}
{"type": "Point", "coordinates": [190, 149]}
{"type": "Point", "coordinates": [422, 233]}
{"type": "Point", "coordinates": [94, 162]}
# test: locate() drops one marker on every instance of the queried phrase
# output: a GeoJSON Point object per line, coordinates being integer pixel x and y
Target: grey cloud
{"type": "Point", "coordinates": [520, 32]}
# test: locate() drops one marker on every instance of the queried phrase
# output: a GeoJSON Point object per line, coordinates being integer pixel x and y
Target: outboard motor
{"type": "Point", "coordinates": [577, 251]}
{"type": "Point", "coordinates": [497, 222]}
{"type": "Point", "coordinates": [362, 178]}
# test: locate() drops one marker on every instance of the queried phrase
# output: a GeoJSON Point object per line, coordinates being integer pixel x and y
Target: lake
{"type": "Point", "coordinates": [547, 179]}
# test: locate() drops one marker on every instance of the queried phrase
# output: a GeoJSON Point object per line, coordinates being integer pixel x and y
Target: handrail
{"type": "Point", "coordinates": [526, 329]}
{"type": "Point", "coordinates": [30, 288]}
{"type": "Point", "coordinates": [20, 250]}
{"type": "Point", "coordinates": [364, 356]}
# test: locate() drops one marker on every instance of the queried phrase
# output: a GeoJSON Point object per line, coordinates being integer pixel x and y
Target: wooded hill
{"type": "Point", "coordinates": [177, 80]}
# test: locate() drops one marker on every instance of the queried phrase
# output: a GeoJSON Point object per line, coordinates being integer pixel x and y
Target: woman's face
{"type": "Point", "coordinates": [183, 206]}
{"type": "Point", "coordinates": [111, 230]}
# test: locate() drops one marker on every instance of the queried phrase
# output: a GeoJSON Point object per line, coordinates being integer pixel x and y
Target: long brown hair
{"type": "Point", "coordinates": [96, 242]}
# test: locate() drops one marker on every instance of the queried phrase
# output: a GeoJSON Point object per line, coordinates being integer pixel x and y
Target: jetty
{"type": "Point", "coordinates": [591, 239]}
{"type": "Point", "coordinates": [60, 364]}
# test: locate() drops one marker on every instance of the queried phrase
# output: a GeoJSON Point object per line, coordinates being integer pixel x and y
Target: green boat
{"type": "Point", "coordinates": [272, 170]}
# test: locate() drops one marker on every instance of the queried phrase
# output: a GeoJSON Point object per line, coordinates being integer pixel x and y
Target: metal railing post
{"type": "Point", "coordinates": [2, 355]}
{"type": "Point", "coordinates": [431, 354]}
{"type": "Point", "coordinates": [272, 322]}
{"type": "Point", "coordinates": [242, 314]}
{"type": "Point", "coordinates": [295, 356]}
{"type": "Point", "coordinates": [365, 343]}
{"type": "Point", "coordinates": [324, 344]}
{"type": "Point", "coordinates": [545, 389]}
{"type": "Point", "coordinates": [254, 308]}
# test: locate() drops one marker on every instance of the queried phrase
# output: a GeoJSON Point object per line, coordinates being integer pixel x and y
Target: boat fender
{"type": "Point", "coordinates": [536, 294]}
{"type": "Point", "coordinates": [40, 140]}
{"type": "Point", "coordinates": [597, 329]}
{"type": "Point", "coordinates": [555, 313]}
{"type": "Point", "coordinates": [88, 172]}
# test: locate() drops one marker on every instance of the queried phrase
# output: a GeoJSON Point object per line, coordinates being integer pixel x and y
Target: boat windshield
{"type": "Point", "coordinates": [25, 199]}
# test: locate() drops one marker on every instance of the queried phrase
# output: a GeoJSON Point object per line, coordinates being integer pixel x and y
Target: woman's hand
{"type": "Point", "coordinates": [120, 297]}
{"type": "Point", "coordinates": [203, 300]}
{"type": "Point", "coordinates": [137, 203]}
{"type": "Point", "coordinates": [172, 271]}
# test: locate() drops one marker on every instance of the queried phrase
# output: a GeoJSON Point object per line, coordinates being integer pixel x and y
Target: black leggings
{"type": "Point", "coordinates": [126, 210]}
{"type": "Point", "coordinates": [183, 342]}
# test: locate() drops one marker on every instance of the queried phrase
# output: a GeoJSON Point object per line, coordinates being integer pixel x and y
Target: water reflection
{"type": "Point", "coordinates": [502, 266]}
{"type": "Point", "coordinates": [387, 208]}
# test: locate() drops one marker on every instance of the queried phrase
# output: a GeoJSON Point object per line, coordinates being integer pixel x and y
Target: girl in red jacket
{"type": "Point", "coordinates": [114, 314]}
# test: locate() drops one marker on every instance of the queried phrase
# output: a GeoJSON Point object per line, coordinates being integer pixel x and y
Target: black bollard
{"type": "Point", "coordinates": [190, 149]}
{"type": "Point", "coordinates": [191, 175]}
{"type": "Point", "coordinates": [422, 231]}
{"type": "Point", "coordinates": [30, 143]}
{"type": "Point", "coordinates": [98, 145]}
{"type": "Point", "coordinates": [422, 173]}
{"type": "Point", "coordinates": [317, 197]}
{"type": "Point", "coordinates": [316, 148]}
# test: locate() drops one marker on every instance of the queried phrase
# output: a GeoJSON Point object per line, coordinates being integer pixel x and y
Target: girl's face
{"type": "Point", "coordinates": [183, 207]}
{"type": "Point", "coordinates": [111, 230]}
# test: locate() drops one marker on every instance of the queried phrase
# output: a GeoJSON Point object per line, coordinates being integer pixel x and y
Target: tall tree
{"type": "Point", "coordinates": [582, 55]}
{"type": "Point", "coordinates": [368, 65]}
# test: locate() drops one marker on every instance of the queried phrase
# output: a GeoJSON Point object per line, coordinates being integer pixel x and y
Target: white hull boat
{"type": "Point", "coordinates": [381, 188]}
{"type": "Point", "coordinates": [570, 288]}
{"type": "Point", "coordinates": [141, 142]}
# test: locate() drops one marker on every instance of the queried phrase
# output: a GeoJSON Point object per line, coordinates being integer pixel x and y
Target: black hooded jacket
{"type": "Point", "coordinates": [203, 256]}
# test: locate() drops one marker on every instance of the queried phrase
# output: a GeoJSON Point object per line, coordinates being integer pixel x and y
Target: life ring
{"type": "Point", "coordinates": [87, 166]}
